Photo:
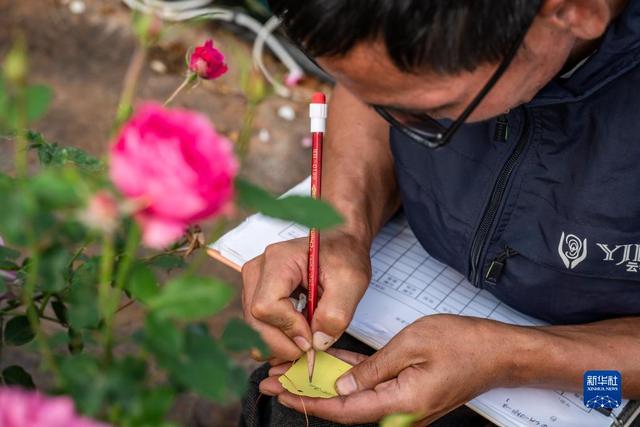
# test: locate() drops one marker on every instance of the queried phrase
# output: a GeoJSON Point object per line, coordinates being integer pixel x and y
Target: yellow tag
{"type": "Point", "coordinates": [326, 371]}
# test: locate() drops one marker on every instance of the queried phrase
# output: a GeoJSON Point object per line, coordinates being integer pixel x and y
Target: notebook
{"type": "Point", "coordinates": [407, 284]}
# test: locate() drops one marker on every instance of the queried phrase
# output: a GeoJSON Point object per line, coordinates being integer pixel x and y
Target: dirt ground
{"type": "Point", "coordinates": [83, 57]}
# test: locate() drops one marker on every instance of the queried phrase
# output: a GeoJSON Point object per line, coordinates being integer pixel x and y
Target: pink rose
{"type": "Point", "coordinates": [22, 408]}
{"type": "Point", "coordinates": [175, 164]}
{"type": "Point", "coordinates": [207, 62]}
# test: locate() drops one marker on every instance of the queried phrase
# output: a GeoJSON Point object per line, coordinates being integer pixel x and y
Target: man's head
{"type": "Point", "coordinates": [434, 56]}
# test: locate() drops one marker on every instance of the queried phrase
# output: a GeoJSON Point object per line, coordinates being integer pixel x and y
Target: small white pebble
{"type": "Point", "coordinates": [306, 142]}
{"type": "Point", "coordinates": [264, 136]}
{"type": "Point", "coordinates": [287, 113]}
{"type": "Point", "coordinates": [77, 7]}
{"type": "Point", "coordinates": [158, 66]}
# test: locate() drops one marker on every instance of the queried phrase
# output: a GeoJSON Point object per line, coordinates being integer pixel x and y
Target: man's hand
{"type": "Point", "coordinates": [430, 368]}
{"type": "Point", "coordinates": [269, 280]}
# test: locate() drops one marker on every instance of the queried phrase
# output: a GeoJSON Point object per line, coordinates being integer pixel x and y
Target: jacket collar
{"type": "Point", "coordinates": [618, 52]}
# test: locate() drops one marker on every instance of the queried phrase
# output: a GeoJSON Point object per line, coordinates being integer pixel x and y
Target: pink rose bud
{"type": "Point", "coordinates": [175, 163]}
{"type": "Point", "coordinates": [101, 212]}
{"type": "Point", "coordinates": [22, 408]}
{"type": "Point", "coordinates": [207, 62]}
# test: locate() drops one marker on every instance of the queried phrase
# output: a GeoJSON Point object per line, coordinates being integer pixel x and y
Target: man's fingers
{"type": "Point", "coordinates": [361, 407]}
{"type": "Point", "coordinates": [348, 356]}
{"type": "Point", "coordinates": [279, 369]}
{"type": "Point", "coordinates": [281, 345]}
{"type": "Point", "coordinates": [271, 386]}
{"type": "Point", "coordinates": [342, 291]}
{"type": "Point", "coordinates": [280, 276]}
{"type": "Point", "coordinates": [378, 368]}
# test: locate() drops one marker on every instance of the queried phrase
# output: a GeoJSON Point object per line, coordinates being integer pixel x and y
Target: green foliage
{"type": "Point", "coordinates": [18, 331]}
{"type": "Point", "coordinates": [142, 283]}
{"type": "Point", "coordinates": [37, 99]}
{"type": "Point", "coordinates": [83, 307]}
{"type": "Point", "coordinates": [16, 375]}
{"type": "Point", "coordinates": [190, 298]}
{"type": "Point", "coordinates": [78, 277]}
{"type": "Point", "coordinates": [238, 336]}
{"type": "Point", "coordinates": [168, 262]}
{"type": "Point", "coordinates": [303, 210]}
{"type": "Point", "coordinates": [52, 154]}
{"type": "Point", "coordinates": [53, 269]}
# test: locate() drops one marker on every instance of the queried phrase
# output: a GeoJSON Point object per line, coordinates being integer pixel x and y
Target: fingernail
{"type": "Point", "coordinates": [322, 341]}
{"type": "Point", "coordinates": [302, 343]}
{"type": "Point", "coordinates": [346, 385]}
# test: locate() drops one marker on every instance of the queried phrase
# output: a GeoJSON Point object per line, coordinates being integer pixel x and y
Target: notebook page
{"type": "Point", "coordinates": [407, 283]}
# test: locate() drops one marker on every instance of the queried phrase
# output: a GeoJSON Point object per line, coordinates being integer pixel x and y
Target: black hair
{"type": "Point", "coordinates": [445, 36]}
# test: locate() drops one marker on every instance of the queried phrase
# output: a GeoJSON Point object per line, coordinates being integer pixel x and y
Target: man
{"type": "Point", "coordinates": [533, 198]}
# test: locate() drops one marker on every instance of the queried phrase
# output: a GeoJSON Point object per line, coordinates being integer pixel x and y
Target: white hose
{"type": "Point", "coordinates": [185, 10]}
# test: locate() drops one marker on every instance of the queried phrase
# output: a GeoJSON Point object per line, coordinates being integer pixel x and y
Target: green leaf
{"type": "Point", "coordinates": [60, 310]}
{"type": "Point", "coordinates": [53, 269]}
{"type": "Point", "coordinates": [84, 381]}
{"type": "Point", "coordinates": [9, 266]}
{"type": "Point", "coordinates": [18, 331]}
{"type": "Point", "coordinates": [153, 407]}
{"type": "Point", "coordinates": [8, 253]}
{"type": "Point", "coordinates": [205, 368]}
{"type": "Point", "coordinates": [52, 154]}
{"type": "Point", "coordinates": [16, 375]}
{"type": "Point", "coordinates": [142, 284]}
{"type": "Point", "coordinates": [238, 336]}
{"type": "Point", "coordinates": [398, 420]}
{"type": "Point", "coordinates": [83, 308]}
{"type": "Point", "coordinates": [168, 261]}
{"type": "Point", "coordinates": [3, 286]}
{"type": "Point", "coordinates": [57, 188]}
{"type": "Point", "coordinates": [163, 340]}
{"type": "Point", "coordinates": [38, 99]}
{"type": "Point", "coordinates": [191, 298]}
{"type": "Point", "coordinates": [18, 211]}
{"type": "Point", "coordinates": [303, 210]}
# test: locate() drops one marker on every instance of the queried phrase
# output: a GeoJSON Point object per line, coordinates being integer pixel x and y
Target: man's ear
{"type": "Point", "coordinates": [585, 19]}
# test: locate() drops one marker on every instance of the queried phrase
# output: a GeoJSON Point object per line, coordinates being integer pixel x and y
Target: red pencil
{"type": "Point", "coordinates": [318, 115]}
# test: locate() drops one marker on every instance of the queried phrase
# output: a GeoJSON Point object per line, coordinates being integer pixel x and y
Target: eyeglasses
{"type": "Point", "coordinates": [426, 130]}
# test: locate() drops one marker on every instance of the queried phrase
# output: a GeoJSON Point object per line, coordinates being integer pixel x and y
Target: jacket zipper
{"type": "Point", "coordinates": [494, 272]}
{"type": "Point", "coordinates": [497, 196]}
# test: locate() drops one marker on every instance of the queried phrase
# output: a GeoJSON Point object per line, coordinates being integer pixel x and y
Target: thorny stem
{"type": "Point", "coordinates": [130, 83]}
{"type": "Point", "coordinates": [32, 314]}
{"type": "Point", "coordinates": [188, 81]}
{"type": "Point", "coordinates": [21, 152]}
{"type": "Point", "coordinates": [124, 267]}
{"type": "Point", "coordinates": [104, 287]}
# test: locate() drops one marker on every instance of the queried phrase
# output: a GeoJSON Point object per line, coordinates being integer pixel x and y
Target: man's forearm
{"type": "Point", "coordinates": [558, 356]}
{"type": "Point", "coordinates": [358, 174]}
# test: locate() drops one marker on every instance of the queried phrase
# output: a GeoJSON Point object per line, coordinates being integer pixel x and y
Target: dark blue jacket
{"type": "Point", "coordinates": [547, 220]}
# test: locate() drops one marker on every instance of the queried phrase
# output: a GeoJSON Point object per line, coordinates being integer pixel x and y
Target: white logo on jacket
{"type": "Point", "coordinates": [572, 250]}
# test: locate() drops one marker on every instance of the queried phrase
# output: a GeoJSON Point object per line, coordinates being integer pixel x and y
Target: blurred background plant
{"type": "Point", "coordinates": [71, 257]}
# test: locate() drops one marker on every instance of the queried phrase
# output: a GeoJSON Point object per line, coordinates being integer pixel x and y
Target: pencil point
{"type": "Point", "coordinates": [311, 361]}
